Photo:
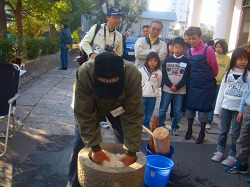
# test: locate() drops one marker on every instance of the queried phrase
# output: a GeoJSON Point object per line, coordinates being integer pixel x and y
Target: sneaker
{"type": "Point", "coordinates": [229, 161]}
{"type": "Point", "coordinates": [235, 170]}
{"type": "Point", "coordinates": [208, 126]}
{"type": "Point", "coordinates": [175, 132]}
{"type": "Point", "coordinates": [218, 156]}
{"type": "Point", "coordinates": [104, 124]}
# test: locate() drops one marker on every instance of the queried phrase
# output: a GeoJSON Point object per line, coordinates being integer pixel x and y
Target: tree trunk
{"type": "Point", "coordinates": [3, 20]}
{"type": "Point", "coordinates": [52, 30]}
{"type": "Point", "coordinates": [18, 18]}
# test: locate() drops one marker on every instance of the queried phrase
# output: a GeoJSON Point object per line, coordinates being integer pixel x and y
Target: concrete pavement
{"type": "Point", "coordinates": [38, 155]}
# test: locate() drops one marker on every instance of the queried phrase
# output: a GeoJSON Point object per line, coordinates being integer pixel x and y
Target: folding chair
{"type": "Point", "coordinates": [9, 84]}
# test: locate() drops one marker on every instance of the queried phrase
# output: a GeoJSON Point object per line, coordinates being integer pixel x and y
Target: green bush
{"type": "Point", "coordinates": [31, 46]}
{"type": "Point", "coordinates": [35, 48]}
{"type": "Point", "coordinates": [54, 45]}
{"type": "Point", "coordinates": [44, 45]}
{"type": "Point", "coordinates": [207, 37]}
{"type": "Point", "coordinates": [75, 36]}
{"type": "Point", "coordinates": [8, 50]}
{"type": "Point", "coordinates": [49, 45]}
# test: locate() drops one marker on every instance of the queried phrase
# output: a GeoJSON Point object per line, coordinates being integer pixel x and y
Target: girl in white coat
{"type": "Point", "coordinates": [151, 82]}
{"type": "Point", "coordinates": [232, 87]}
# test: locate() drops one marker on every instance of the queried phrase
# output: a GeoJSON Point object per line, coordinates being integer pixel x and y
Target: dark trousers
{"type": "Point", "coordinates": [243, 142]}
{"type": "Point", "coordinates": [102, 118]}
{"type": "Point", "coordinates": [78, 145]}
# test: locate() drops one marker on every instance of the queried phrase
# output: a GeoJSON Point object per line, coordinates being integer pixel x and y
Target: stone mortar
{"type": "Point", "coordinates": [91, 174]}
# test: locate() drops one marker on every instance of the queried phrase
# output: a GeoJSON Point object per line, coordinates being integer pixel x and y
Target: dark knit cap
{"type": "Point", "coordinates": [109, 75]}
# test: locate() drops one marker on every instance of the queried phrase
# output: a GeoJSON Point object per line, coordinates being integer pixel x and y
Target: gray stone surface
{"type": "Point", "coordinates": [26, 100]}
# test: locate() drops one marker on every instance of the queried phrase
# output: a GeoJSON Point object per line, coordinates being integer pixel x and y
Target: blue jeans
{"type": "Point", "coordinates": [165, 101]}
{"type": "Point", "coordinates": [64, 55]}
{"type": "Point", "coordinates": [149, 106]}
{"type": "Point", "coordinates": [228, 117]}
{"type": "Point", "coordinates": [78, 145]}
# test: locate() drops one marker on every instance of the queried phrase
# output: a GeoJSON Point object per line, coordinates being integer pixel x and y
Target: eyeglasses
{"type": "Point", "coordinates": [156, 29]}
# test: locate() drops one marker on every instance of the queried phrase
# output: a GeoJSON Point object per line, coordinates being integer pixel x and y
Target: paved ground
{"type": "Point", "coordinates": [39, 153]}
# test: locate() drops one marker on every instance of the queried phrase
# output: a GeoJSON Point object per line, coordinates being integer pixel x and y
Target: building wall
{"type": "Point", "coordinates": [235, 25]}
{"type": "Point", "coordinates": [180, 7]}
{"type": "Point", "coordinates": [223, 26]}
{"type": "Point", "coordinates": [244, 33]}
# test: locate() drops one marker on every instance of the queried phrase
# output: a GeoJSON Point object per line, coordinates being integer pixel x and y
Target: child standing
{"type": "Point", "coordinates": [223, 62]}
{"type": "Point", "coordinates": [175, 72]}
{"type": "Point", "coordinates": [151, 82]}
{"type": "Point", "coordinates": [170, 48]}
{"type": "Point", "coordinates": [228, 101]}
{"type": "Point", "coordinates": [243, 143]}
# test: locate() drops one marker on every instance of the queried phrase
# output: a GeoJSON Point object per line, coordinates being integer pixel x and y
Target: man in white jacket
{"type": "Point", "coordinates": [150, 43]}
{"type": "Point", "coordinates": [106, 39]}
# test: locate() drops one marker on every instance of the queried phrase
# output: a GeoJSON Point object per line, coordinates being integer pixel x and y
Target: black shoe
{"type": "Point", "coordinates": [200, 139]}
{"type": "Point", "coordinates": [188, 135]}
{"type": "Point", "coordinates": [63, 68]}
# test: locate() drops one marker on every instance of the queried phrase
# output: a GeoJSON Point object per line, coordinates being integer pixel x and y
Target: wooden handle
{"type": "Point", "coordinates": [148, 131]}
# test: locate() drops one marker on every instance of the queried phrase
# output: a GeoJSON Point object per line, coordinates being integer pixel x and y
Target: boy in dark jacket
{"type": "Point", "coordinates": [175, 71]}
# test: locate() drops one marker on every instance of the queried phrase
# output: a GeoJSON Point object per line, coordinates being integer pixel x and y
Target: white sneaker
{"type": "Point", "coordinates": [208, 126]}
{"type": "Point", "coordinates": [229, 161]}
{"type": "Point", "coordinates": [175, 132]}
{"type": "Point", "coordinates": [218, 156]}
{"type": "Point", "coordinates": [104, 124]}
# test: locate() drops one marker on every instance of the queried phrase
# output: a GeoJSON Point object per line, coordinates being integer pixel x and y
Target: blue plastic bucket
{"type": "Point", "coordinates": [166, 155]}
{"type": "Point", "coordinates": [158, 170]}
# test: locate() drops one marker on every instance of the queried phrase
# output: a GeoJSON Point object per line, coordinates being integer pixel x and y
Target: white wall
{"type": "Point", "coordinates": [195, 13]}
{"type": "Point", "coordinates": [235, 27]}
{"type": "Point", "coordinates": [224, 19]}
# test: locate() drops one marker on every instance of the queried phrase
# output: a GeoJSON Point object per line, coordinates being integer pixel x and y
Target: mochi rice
{"type": "Point", "coordinates": [114, 160]}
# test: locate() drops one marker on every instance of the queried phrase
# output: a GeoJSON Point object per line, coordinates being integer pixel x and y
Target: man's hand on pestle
{"type": "Point", "coordinates": [99, 156]}
{"type": "Point", "coordinates": [127, 160]}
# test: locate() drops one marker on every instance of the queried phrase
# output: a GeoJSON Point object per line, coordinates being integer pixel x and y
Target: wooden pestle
{"type": "Point", "coordinates": [154, 125]}
{"type": "Point", "coordinates": [161, 140]}
{"type": "Point", "coordinates": [149, 132]}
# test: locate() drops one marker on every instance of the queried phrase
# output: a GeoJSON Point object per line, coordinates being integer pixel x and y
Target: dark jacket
{"type": "Point", "coordinates": [65, 37]}
{"type": "Point", "coordinates": [88, 107]}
